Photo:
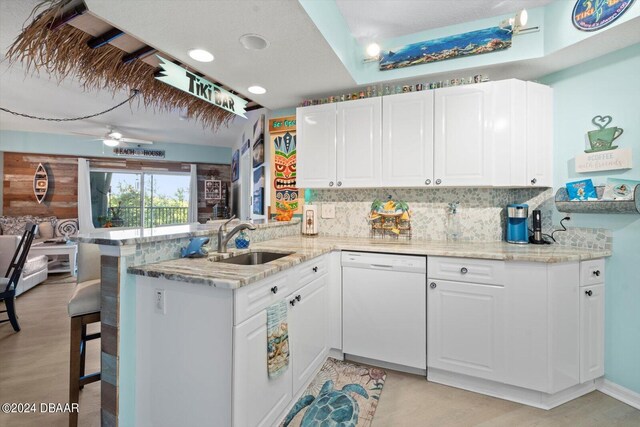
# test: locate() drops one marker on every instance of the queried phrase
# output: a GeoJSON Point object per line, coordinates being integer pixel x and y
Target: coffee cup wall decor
{"type": "Point", "coordinates": [602, 138]}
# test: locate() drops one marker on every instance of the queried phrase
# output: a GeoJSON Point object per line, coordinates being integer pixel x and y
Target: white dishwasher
{"type": "Point", "coordinates": [384, 307]}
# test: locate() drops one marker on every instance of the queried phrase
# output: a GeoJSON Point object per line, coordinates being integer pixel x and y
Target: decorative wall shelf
{"type": "Point", "coordinates": [563, 204]}
{"type": "Point", "coordinates": [40, 183]}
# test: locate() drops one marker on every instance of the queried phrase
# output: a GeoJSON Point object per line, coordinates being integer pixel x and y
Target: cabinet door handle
{"type": "Point", "coordinates": [438, 181]}
{"type": "Point", "coordinates": [315, 269]}
{"type": "Point", "coordinates": [596, 273]}
{"type": "Point", "coordinates": [339, 183]}
{"type": "Point", "coordinates": [589, 293]}
{"type": "Point", "coordinates": [533, 181]}
{"type": "Point", "coordinates": [274, 289]}
{"type": "Point", "coordinates": [292, 302]}
{"type": "Point", "coordinates": [433, 285]}
{"type": "Point", "coordinates": [464, 270]}
{"type": "Point", "coordinates": [330, 183]}
{"type": "Point", "coordinates": [298, 298]}
{"type": "Point", "coordinates": [428, 182]}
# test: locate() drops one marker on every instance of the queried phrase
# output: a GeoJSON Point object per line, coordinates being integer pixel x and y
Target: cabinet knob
{"type": "Point", "coordinates": [274, 289]}
{"type": "Point", "coordinates": [438, 181]}
{"type": "Point", "coordinates": [339, 183]}
{"type": "Point", "coordinates": [433, 285]}
{"type": "Point", "coordinates": [533, 181]}
{"type": "Point", "coordinates": [464, 270]}
{"type": "Point", "coordinates": [589, 293]}
{"type": "Point", "coordinates": [298, 298]}
{"type": "Point", "coordinates": [330, 183]}
{"type": "Point", "coordinates": [596, 273]}
{"type": "Point", "coordinates": [428, 182]}
{"type": "Point", "coordinates": [315, 269]}
{"type": "Point", "coordinates": [292, 302]}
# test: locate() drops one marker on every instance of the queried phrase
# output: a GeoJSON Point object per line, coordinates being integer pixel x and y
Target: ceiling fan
{"type": "Point", "coordinates": [113, 137]}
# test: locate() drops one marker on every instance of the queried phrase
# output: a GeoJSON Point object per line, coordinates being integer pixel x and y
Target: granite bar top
{"type": "Point", "coordinates": [133, 236]}
{"type": "Point", "coordinates": [231, 276]}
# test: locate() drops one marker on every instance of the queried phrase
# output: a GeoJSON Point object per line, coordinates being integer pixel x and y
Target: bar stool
{"type": "Point", "coordinates": [84, 309]}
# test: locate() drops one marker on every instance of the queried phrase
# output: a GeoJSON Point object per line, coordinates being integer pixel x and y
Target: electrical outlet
{"type": "Point", "coordinates": [161, 303]}
{"type": "Point", "coordinates": [328, 210]}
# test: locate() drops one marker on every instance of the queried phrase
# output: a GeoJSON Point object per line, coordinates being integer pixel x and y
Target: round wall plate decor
{"type": "Point", "coordinates": [592, 15]}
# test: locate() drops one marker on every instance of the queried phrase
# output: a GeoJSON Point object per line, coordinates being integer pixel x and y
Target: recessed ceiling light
{"type": "Point", "coordinates": [258, 90]}
{"type": "Point", "coordinates": [201, 55]}
{"type": "Point", "coordinates": [253, 42]}
{"type": "Point", "coordinates": [373, 50]}
{"type": "Point", "coordinates": [111, 142]}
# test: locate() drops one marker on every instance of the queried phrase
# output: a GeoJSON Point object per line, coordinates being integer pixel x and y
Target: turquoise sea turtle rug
{"type": "Point", "coordinates": [343, 394]}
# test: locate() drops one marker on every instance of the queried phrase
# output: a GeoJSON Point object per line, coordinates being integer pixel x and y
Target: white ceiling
{"type": "Point", "coordinates": [299, 60]}
{"type": "Point", "coordinates": [376, 20]}
{"type": "Point", "coordinates": [298, 64]}
{"type": "Point", "coordinates": [42, 96]}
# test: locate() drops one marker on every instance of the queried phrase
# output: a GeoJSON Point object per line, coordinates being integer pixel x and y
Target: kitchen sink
{"type": "Point", "coordinates": [255, 258]}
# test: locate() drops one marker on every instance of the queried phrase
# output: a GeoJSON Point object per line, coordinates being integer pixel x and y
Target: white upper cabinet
{"type": "Point", "coordinates": [494, 134]}
{"type": "Point", "coordinates": [358, 143]}
{"type": "Point", "coordinates": [463, 136]}
{"type": "Point", "coordinates": [407, 140]}
{"type": "Point", "coordinates": [316, 146]}
{"type": "Point", "coordinates": [539, 135]}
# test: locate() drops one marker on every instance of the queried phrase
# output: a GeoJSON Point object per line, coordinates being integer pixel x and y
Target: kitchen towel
{"type": "Point", "coordinates": [277, 339]}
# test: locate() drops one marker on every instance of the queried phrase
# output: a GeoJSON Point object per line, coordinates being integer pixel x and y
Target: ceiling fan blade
{"type": "Point", "coordinates": [136, 141]}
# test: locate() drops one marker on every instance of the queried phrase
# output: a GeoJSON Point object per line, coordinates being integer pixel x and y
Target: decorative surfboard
{"type": "Point", "coordinates": [40, 183]}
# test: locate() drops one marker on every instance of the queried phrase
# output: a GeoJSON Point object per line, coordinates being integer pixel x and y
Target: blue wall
{"type": "Point", "coordinates": [50, 143]}
{"type": "Point", "coordinates": [554, 19]}
{"type": "Point", "coordinates": [609, 85]}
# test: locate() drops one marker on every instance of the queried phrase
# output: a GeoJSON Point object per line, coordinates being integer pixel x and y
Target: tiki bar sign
{"type": "Point", "coordinates": [176, 76]}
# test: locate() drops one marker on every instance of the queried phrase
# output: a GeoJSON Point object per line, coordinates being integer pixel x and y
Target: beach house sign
{"type": "Point", "coordinates": [180, 78]}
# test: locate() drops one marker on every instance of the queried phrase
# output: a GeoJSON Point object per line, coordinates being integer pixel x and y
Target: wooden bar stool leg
{"type": "Point", "coordinates": [74, 367]}
{"type": "Point", "coordinates": [83, 351]}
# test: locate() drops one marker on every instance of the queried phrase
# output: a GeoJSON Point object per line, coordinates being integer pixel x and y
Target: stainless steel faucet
{"type": "Point", "coordinates": [223, 238]}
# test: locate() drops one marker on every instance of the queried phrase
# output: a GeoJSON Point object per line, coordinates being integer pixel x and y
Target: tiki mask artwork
{"type": "Point", "coordinates": [285, 174]}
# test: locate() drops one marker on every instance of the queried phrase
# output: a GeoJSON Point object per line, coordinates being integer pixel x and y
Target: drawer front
{"type": "Point", "coordinates": [250, 299]}
{"type": "Point", "coordinates": [592, 272]}
{"type": "Point", "coordinates": [311, 270]}
{"type": "Point", "coordinates": [469, 270]}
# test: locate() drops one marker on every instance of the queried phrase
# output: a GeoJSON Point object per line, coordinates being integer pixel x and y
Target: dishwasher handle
{"type": "Point", "coordinates": [385, 266]}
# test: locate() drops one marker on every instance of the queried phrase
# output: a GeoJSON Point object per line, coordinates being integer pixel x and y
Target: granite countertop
{"type": "Point", "coordinates": [231, 276]}
{"type": "Point", "coordinates": [133, 236]}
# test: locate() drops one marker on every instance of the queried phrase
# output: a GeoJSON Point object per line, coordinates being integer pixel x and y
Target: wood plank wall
{"type": "Point", "coordinates": [18, 197]}
{"type": "Point", "coordinates": [62, 198]}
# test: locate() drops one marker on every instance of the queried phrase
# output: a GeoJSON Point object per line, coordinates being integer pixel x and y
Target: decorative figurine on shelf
{"type": "Point", "coordinates": [196, 248]}
{"type": "Point", "coordinates": [602, 139]}
{"type": "Point", "coordinates": [390, 218]}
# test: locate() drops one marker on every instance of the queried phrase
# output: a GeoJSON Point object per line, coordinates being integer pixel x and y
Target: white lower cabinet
{"type": "Point", "coordinates": [308, 331]}
{"type": "Point", "coordinates": [466, 328]}
{"type": "Point", "coordinates": [257, 399]}
{"type": "Point", "coordinates": [591, 332]}
{"type": "Point", "coordinates": [534, 330]}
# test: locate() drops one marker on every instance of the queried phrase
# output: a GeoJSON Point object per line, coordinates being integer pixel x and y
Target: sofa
{"type": "Point", "coordinates": [36, 268]}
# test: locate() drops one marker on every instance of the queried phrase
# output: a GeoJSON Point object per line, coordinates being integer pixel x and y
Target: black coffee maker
{"type": "Point", "coordinates": [537, 238]}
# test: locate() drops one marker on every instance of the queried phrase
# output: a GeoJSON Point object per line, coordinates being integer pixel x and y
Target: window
{"type": "Point", "coordinates": [138, 199]}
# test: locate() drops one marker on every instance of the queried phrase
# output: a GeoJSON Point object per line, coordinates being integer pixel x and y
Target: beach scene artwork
{"type": "Point", "coordinates": [467, 44]}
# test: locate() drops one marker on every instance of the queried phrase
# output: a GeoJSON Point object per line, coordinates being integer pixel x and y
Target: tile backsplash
{"type": "Point", "coordinates": [482, 213]}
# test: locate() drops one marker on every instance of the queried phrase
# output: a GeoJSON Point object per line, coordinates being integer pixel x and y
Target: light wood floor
{"type": "Point", "coordinates": [409, 400]}
{"type": "Point", "coordinates": [34, 363]}
{"type": "Point", "coordinates": [34, 366]}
